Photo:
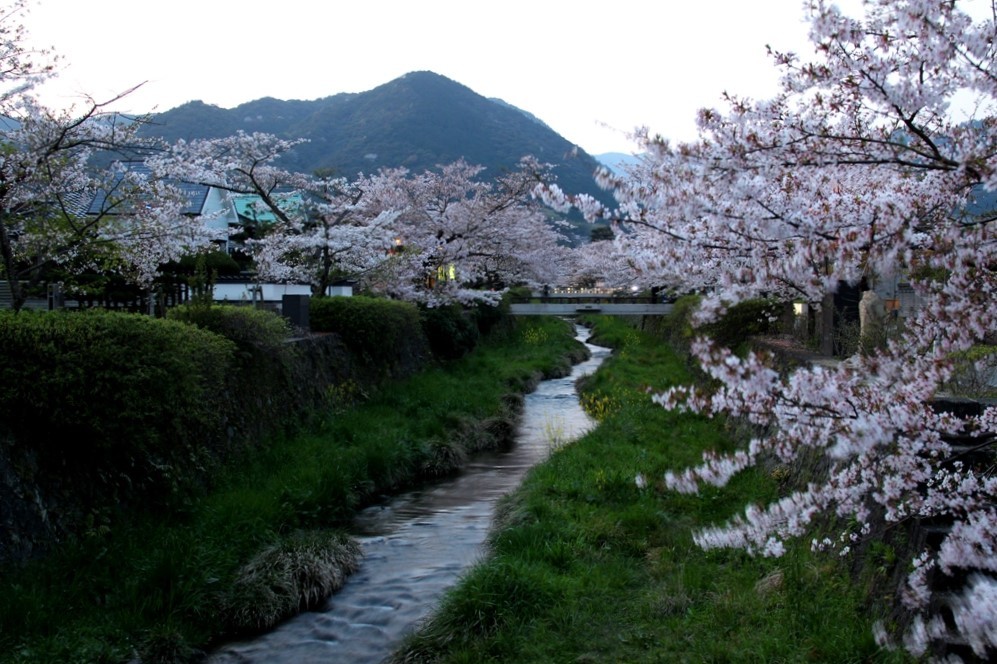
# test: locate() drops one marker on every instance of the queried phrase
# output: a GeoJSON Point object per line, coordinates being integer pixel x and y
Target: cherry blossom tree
{"type": "Point", "coordinates": [48, 179]}
{"type": "Point", "coordinates": [436, 237]}
{"type": "Point", "coordinates": [244, 164]}
{"type": "Point", "coordinates": [347, 233]}
{"type": "Point", "coordinates": [601, 262]}
{"type": "Point", "coordinates": [322, 228]}
{"type": "Point", "coordinates": [464, 238]}
{"type": "Point", "coordinates": [21, 69]}
{"type": "Point", "coordinates": [144, 218]}
{"type": "Point", "coordinates": [862, 166]}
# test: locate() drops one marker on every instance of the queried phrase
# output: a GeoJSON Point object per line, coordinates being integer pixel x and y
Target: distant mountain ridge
{"type": "Point", "coordinates": [618, 162]}
{"type": "Point", "coordinates": [418, 121]}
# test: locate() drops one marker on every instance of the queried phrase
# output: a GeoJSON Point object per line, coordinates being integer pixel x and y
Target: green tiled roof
{"type": "Point", "coordinates": [251, 207]}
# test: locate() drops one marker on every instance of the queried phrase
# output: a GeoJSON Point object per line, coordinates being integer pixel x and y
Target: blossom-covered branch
{"type": "Point", "coordinates": [857, 168]}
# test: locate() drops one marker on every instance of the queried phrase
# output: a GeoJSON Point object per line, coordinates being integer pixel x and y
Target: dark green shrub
{"type": "Point", "coordinates": [745, 319]}
{"type": "Point", "coordinates": [383, 333]}
{"type": "Point", "coordinates": [273, 391]}
{"type": "Point", "coordinates": [450, 331]}
{"type": "Point", "coordinates": [676, 328]}
{"type": "Point", "coordinates": [216, 262]}
{"type": "Point", "coordinates": [741, 321]}
{"type": "Point", "coordinates": [249, 328]}
{"type": "Point", "coordinates": [519, 294]}
{"type": "Point", "coordinates": [122, 396]}
{"type": "Point", "coordinates": [489, 318]}
{"type": "Point", "coordinates": [975, 372]}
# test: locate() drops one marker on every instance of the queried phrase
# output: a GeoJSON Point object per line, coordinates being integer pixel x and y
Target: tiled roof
{"type": "Point", "coordinates": [195, 194]}
{"type": "Point", "coordinates": [251, 208]}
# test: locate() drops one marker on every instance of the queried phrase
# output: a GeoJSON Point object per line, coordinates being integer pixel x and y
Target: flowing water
{"type": "Point", "coordinates": [417, 545]}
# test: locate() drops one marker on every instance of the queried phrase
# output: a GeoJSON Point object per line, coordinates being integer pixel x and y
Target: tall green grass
{"type": "Point", "coordinates": [165, 588]}
{"type": "Point", "coordinates": [586, 566]}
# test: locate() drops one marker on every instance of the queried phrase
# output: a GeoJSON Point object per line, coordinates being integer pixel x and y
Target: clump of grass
{"type": "Point", "coordinates": [168, 645]}
{"type": "Point", "coordinates": [499, 432]}
{"type": "Point", "coordinates": [494, 595]}
{"type": "Point", "coordinates": [446, 458]}
{"type": "Point", "coordinates": [554, 434]}
{"type": "Point", "coordinates": [293, 575]}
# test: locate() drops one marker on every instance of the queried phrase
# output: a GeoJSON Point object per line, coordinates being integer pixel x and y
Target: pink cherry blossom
{"type": "Point", "coordinates": [857, 168]}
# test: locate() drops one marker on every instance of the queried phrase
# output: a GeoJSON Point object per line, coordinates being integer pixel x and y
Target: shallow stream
{"type": "Point", "coordinates": [418, 544]}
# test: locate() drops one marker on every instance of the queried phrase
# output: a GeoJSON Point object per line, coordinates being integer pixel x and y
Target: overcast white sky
{"type": "Point", "coordinates": [593, 71]}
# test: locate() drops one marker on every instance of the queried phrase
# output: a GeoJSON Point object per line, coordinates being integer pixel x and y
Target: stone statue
{"type": "Point", "coordinates": [872, 319]}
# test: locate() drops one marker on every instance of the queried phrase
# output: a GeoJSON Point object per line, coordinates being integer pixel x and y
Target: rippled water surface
{"type": "Point", "coordinates": [417, 545]}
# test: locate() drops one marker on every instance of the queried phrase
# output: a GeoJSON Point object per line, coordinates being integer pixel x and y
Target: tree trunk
{"type": "Point", "coordinates": [321, 287]}
{"type": "Point", "coordinates": [7, 255]}
{"type": "Point", "coordinates": [827, 325]}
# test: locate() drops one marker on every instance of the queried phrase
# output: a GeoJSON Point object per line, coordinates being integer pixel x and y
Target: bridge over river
{"type": "Point", "coordinates": [576, 301]}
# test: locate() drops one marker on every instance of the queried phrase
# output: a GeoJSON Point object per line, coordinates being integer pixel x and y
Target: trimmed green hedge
{"type": "Point", "coordinates": [117, 394]}
{"type": "Point", "coordinates": [101, 410]}
{"type": "Point", "coordinates": [271, 389]}
{"type": "Point", "coordinates": [249, 328]}
{"type": "Point", "coordinates": [382, 333]}
{"type": "Point", "coordinates": [375, 328]}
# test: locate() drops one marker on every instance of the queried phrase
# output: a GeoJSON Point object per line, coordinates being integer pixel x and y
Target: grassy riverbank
{"type": "Point", "coordinates": [266, 540]}
{"type": "Point", "coordinates": [586, 566]}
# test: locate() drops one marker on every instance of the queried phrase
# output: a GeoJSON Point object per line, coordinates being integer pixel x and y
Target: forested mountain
{"type": "Point", "coordinates": [417, 121]}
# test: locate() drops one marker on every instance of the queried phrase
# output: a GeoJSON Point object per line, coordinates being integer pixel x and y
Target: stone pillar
{"type": "Point", "coordinates": [872, 319]}
{"type": "Point", "coordinates": [295, 309]}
